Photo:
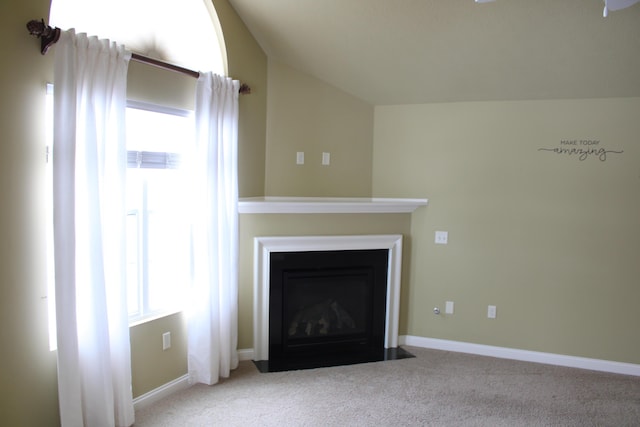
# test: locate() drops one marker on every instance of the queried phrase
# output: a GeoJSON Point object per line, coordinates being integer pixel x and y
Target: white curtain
{"type": "Point", "coordinates": [213, 306]}
{"type": "Point", "coordinates": [89, 161]}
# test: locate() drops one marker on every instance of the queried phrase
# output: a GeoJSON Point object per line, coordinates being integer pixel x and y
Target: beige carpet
{"type": "Point", "coordinates": [436, 388]}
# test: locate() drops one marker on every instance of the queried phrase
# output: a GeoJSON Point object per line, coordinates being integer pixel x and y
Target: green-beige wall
{"type": "Point", "coordinates": [27, 368]}
{"type": "Point", "coordinates": [307, 115]}
{"type": "Point", "coordinates": [552, 240]}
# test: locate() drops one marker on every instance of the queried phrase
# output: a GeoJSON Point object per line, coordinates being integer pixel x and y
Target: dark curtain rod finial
{"type": "Point", "coordinates": [245, 89]}
{"type": "Point", "coordinates": [47, 34]}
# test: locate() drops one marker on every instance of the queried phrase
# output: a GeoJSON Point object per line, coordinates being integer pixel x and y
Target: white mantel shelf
{"type": "Point", "coordinates": [315, 205]}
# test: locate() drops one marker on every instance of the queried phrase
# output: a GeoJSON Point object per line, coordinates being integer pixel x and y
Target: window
{"type": "Point", "coordinates": [157, 232]}
{"type": "Point", "coordinates": [157, 227]}
{"type": "Point", "coordinates": [183, 32]}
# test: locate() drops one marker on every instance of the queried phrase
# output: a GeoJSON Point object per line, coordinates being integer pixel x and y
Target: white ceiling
{"type": "Point", "coordinates": [422, 51]}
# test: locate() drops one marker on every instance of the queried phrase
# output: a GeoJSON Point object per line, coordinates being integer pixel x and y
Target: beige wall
{"type": "Point", "coordinates": [27, 368]}
{"type": "Point", "coordinates": [162, 87]}
{"type": "Point", "coordinates": [151, 366]}
{"type": "Point", "coordinates": [247, 63]}
{"type": "Point", "coordinates": [305, 114]}
{"type": "Point", "coordinates": [552, 241]}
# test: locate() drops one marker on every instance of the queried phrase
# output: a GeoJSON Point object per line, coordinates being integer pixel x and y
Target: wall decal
{"type": "Point", "coordinates": [582, 149]}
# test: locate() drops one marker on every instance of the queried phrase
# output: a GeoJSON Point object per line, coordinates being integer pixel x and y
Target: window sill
{"type": "Point", "coordinates": [153, 316]}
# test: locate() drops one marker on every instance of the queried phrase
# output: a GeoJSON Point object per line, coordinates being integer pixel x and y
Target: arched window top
{"type": "Point", "coordinates": [182, 32]}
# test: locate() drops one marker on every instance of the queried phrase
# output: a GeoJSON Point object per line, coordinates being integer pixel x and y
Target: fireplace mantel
{"type": "Point", "coordinates": [314, 205]}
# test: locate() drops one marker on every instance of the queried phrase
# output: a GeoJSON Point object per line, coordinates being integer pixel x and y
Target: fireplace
{"type": "Point", "coordinates": [326, 300]}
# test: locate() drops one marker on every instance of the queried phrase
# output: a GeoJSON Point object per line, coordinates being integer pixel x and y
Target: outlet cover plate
{"type": "Point", "coordinates": [442, 237]}
{"type": "Point", "coordinates": [491, 312]}
{"type": "Point", "coordinates": [166, 341]}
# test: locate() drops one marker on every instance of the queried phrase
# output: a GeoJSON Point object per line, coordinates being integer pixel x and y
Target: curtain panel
{"type": "Point", "coordinates": [212, 312]}
{"type": "Point", "coordinates": [89, 161]}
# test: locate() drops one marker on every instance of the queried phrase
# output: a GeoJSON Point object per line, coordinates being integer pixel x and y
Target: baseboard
{"type": "Point", "coordinates": [177, 385]}
{"type": "Point", "coordinates": [245, 354]}
{"type": "Point", "coordinates": [523, 355]}
{"type": "Point", "coordinates": [164, 390]}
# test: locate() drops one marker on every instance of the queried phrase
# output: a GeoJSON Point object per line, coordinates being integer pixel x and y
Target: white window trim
{"type": "Point", "coordinates": [139, 319]}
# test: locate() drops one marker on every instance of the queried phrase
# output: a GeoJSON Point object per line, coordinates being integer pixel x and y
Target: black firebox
{"type": "Point", "coordinates": [326, 308]}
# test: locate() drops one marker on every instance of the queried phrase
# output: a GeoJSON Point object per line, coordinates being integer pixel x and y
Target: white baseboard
{"type": "Point", "coordinates": [245, 354]}
{"type": "Point", "coordinates": [164, 390]}
{"type": "Point", "coordinates": [523, 355]}
{"type": "Point", "coordinates": [176, 385]}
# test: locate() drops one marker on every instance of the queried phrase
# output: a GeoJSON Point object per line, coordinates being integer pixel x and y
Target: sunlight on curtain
{"type": "Point", "coordinates": [212, 313]}
{"type": "Point", "coordinates": [182, 32]}
{"type": "Point", "coordinates": [89, 164]}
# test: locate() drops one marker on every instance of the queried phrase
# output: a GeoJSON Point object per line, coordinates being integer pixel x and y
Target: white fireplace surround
{"type": "Point", "coordinates": [263, 246]}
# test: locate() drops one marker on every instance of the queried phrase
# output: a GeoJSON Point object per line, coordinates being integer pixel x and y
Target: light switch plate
{"type": "Point", "coordinates": [326, 159]}
{"type": "Point", "coordinates": [448, 309]}
{"type": "Point", "coordinates": [300, 158]}
{"type": "Point", "coordinates": [491, 312]}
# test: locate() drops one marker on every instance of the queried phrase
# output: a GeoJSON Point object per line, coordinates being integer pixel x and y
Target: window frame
{"type": "Point", "coordinates": [145, 313]}
{"type": "Point", "coordinates": [51, 305]}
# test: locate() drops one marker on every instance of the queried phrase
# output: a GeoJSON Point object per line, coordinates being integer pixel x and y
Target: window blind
{"type": "Point", "coordinates": [152, 160]}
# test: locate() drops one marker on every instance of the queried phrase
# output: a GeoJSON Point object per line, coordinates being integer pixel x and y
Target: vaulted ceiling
{"type": "Point", "coordinates": [423, 51]}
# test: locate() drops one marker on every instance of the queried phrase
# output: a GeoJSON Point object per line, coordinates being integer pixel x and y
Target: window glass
{"type": "Point", "coordinates": [157, 229]}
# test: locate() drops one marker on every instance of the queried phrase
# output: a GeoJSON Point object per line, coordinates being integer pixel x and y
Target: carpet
{"type": "Point", "coordinates": [436, 388]}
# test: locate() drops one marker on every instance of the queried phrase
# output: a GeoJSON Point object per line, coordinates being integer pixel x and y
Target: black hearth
{"type": "Point", "coordinates": [327, 308]}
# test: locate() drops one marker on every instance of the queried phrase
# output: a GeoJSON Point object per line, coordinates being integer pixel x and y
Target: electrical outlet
{"type": "Point", "coordinates": [491, 312]}
{"type": "Point", "coordinates": [300, 158]}
{"type": "Point", "coordinates": [442, 237]}
{"type": "Point", "coordinates": [166, 341]}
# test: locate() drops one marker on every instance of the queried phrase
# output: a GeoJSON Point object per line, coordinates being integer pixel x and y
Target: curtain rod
{"type": "Point", "coordinates": [49, 36]}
